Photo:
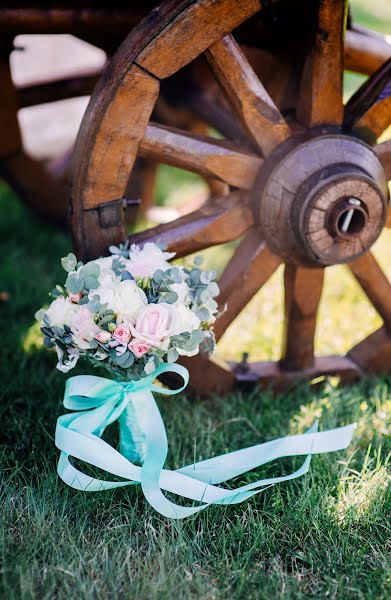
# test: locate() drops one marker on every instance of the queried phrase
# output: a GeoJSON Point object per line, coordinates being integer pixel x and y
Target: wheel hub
{"type": "Point", "coordinates": [321, 200]}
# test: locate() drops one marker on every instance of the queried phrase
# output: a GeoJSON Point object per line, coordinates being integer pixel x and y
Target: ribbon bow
{"type": "Point", "coordinates": [101, 401]}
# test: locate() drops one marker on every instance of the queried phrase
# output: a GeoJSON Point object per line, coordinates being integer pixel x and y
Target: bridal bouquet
{"type": "Point", "coordinates": [135, 314]}
{"type": "Point", "coordinates": [130, 312]}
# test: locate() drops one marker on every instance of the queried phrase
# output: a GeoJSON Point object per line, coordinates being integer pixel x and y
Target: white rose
{"type": "Point", "coordinates": [106, 274]}
{"type": "Point", "coordinates": [62, 311]}
{"type": "Point", "coordinates": [143, 262]}
{"type": "Point", "coordinates": [125, 298]}
{"type": "Point", "coordinates": [184, 320]}
{"type": "Point", "coordinates": [182, 289]}
{"type": "Point", "coordinates": [84, 328]}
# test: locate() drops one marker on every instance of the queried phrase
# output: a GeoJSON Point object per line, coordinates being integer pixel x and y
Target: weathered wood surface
{"type": "Point", "coordinates": [303, 290]}
{"type": "Point", "coordinates": [375, 284]}
{"type": "Point", "coordinates": [117, 130]}
{"type": "Point", "coordinates": [365, 54]}
{"type": "Point", "coordinates": [383, 151]}
{"type": "Point", "coordinates": [271, 375]}
{"type": "Point", "coordinates": [204, 155]}
{"type": "Point", "coordinates": [216, 222]}
{"type": "Point", "coordinates": [373, 355]}
{"type": "Point", "coordinates": [248, 97]}
{"type": "Point", "coordinates": [321, 84]}
{"type": "Point", "coordinates": [367, 112]}
{"type": "Point", "coordinates": [115, 146]}
{"type": "Point", "coordinates": [60, 89]}
{"type": "Point", "coordinates": [191, 32]}
{"type": "Point", "coordinates": [250, 267]}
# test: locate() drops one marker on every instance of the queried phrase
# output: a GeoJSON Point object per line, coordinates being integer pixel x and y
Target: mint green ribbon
{"type": "Point", "coordinates": [101, 401]}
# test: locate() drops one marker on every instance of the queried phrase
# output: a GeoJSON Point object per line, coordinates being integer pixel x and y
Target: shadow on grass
{"type": "Point", "coordinates": [325, 534]}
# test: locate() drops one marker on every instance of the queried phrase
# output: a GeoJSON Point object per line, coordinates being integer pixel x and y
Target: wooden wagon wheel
{"type": "Point", "coordinates": [311, 192]}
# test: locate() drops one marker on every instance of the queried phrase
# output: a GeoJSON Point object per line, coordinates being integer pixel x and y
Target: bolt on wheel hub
{"type": "Point", "coordinates": [323, 200]}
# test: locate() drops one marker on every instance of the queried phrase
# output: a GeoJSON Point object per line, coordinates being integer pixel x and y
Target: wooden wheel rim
{"type": "Point", "coordinates": [106, 151]}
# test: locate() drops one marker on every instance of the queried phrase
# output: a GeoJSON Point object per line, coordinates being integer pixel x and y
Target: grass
{"type": "Point", "coordinates": [326, 535]}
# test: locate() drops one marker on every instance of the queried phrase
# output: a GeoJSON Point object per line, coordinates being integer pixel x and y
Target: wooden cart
{"type": "Point", "coordinates": [296, 175]}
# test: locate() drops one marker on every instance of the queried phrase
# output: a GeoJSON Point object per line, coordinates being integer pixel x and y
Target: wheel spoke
{"type": "Point", "coordinates": [384, 153]}
{"type": "Point", "coordinates": [303, 290]}
{"type": "Point", "coordinates": [249, 268]}
{"type": "Point", "coordinates": [373, 355]}
{"type": "Point", "coordinates": [202, 154]}
{"type": "Point", "coordinates": [247, 95]}
{"type": "Point", "coordinates": [191, 32]}
{"type": "Point", "coordinates": [209, 375]}
{"type": "Point", "coordinates": [365, 54]}
{"type": "Point", "coordinates": [368, 111]}
{"type": "Point", "coordinates": [374, 283]}
{"type": "Point", "coordinates": [218, 221]}
{"type": "Point", "coordinates": [321, 83]}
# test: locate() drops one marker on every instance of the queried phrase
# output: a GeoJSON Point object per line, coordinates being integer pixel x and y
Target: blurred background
{"type": "Point", "coordinates": [49, 131]}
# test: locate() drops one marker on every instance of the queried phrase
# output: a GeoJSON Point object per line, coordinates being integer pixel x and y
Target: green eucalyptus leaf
{"type": "Point", "coordinates": [170, 297]}
{"type": "Point", "coordinates": [203, 314]}
{"type": "Point", "coordinates": [123, 358]}
{"type": "Point", "coordinates": [129, 361]}
{"type": "Point", "coordinates": [172, 355]}
{"type": "Point", "coordinates": [158, 276]}
{"type": "Point", "coordinates": [94, 306]}
{"type": "Point", "coordinates": [204, 295]}
{"type": "Point", "coordinates": [91, 269]}
{"type": "Point", "coordinates": [197, 336]}
{"type": "Point", "coordinates": [74, 283]}
{"type": "Point", "coordinates": [91, 283]}
{"type": "Point", "coordinates": [213, 289]}
{"type": "Point", "coordinates": [69, 262]}
{"type": "Point", "coordinates": [198, 260]}
{"type": "Point", "coordinates": [205, 277]}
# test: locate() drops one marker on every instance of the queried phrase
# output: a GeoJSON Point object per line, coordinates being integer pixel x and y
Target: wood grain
{"type": "Point", "coordinates": [249, 268]}
{"type": "Point", "coordinates": [367, 112]}
{"type": "Point", "coordinates": [247, 95]}
{"type": "Point", "coordinates": [303, 290]}
{"type": "Point", "coordinates": [375, 121]}
{"type": "Point", "coordinates": [208, 375]}
{"type": "Point", "coordinates": [375, 285]}
{"type": "Point", "coordinates": [383, 151]}
{"type": "Point", "coordinates": [201, 154]}
{"type": "Point", "coordinates": [365, 54]}
{"type": "Point", "coordinates": [321, 83]}
{"type": "Point", "coordinates": [271, 375]}
{"type": "Point", "coordinates": [373, 355]}
{"type": "Point", "coordinates": [192, 31]}
{"type": "Point", "coordinates": [115, 145]}
{"type": "Point", "coordinates": [216, 222]}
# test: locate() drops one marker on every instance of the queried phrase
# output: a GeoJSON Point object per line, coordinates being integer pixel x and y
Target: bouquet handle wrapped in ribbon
{"type": "Point", "coordinates": [135, 314]}
{"type": "Point", "coordinates": [101, 401]}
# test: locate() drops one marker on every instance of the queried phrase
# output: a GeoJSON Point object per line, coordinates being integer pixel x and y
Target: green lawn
{"type": "Point", "coordinates": [325, 535]}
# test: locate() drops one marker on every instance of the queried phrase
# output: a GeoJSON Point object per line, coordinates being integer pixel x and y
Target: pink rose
{"type": "Point", "coordinates": [75, 297]}
{"type": "Point", "coordinates": [103, 336]}
{"type": "Point", "coordinates": [122, 334]}
{"type": "Point", "coordinates": [153, 325]}
{"type": "Point", "coordinates": [138, 348]}
{"type": "Point", "coordinates": [84, 328]}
